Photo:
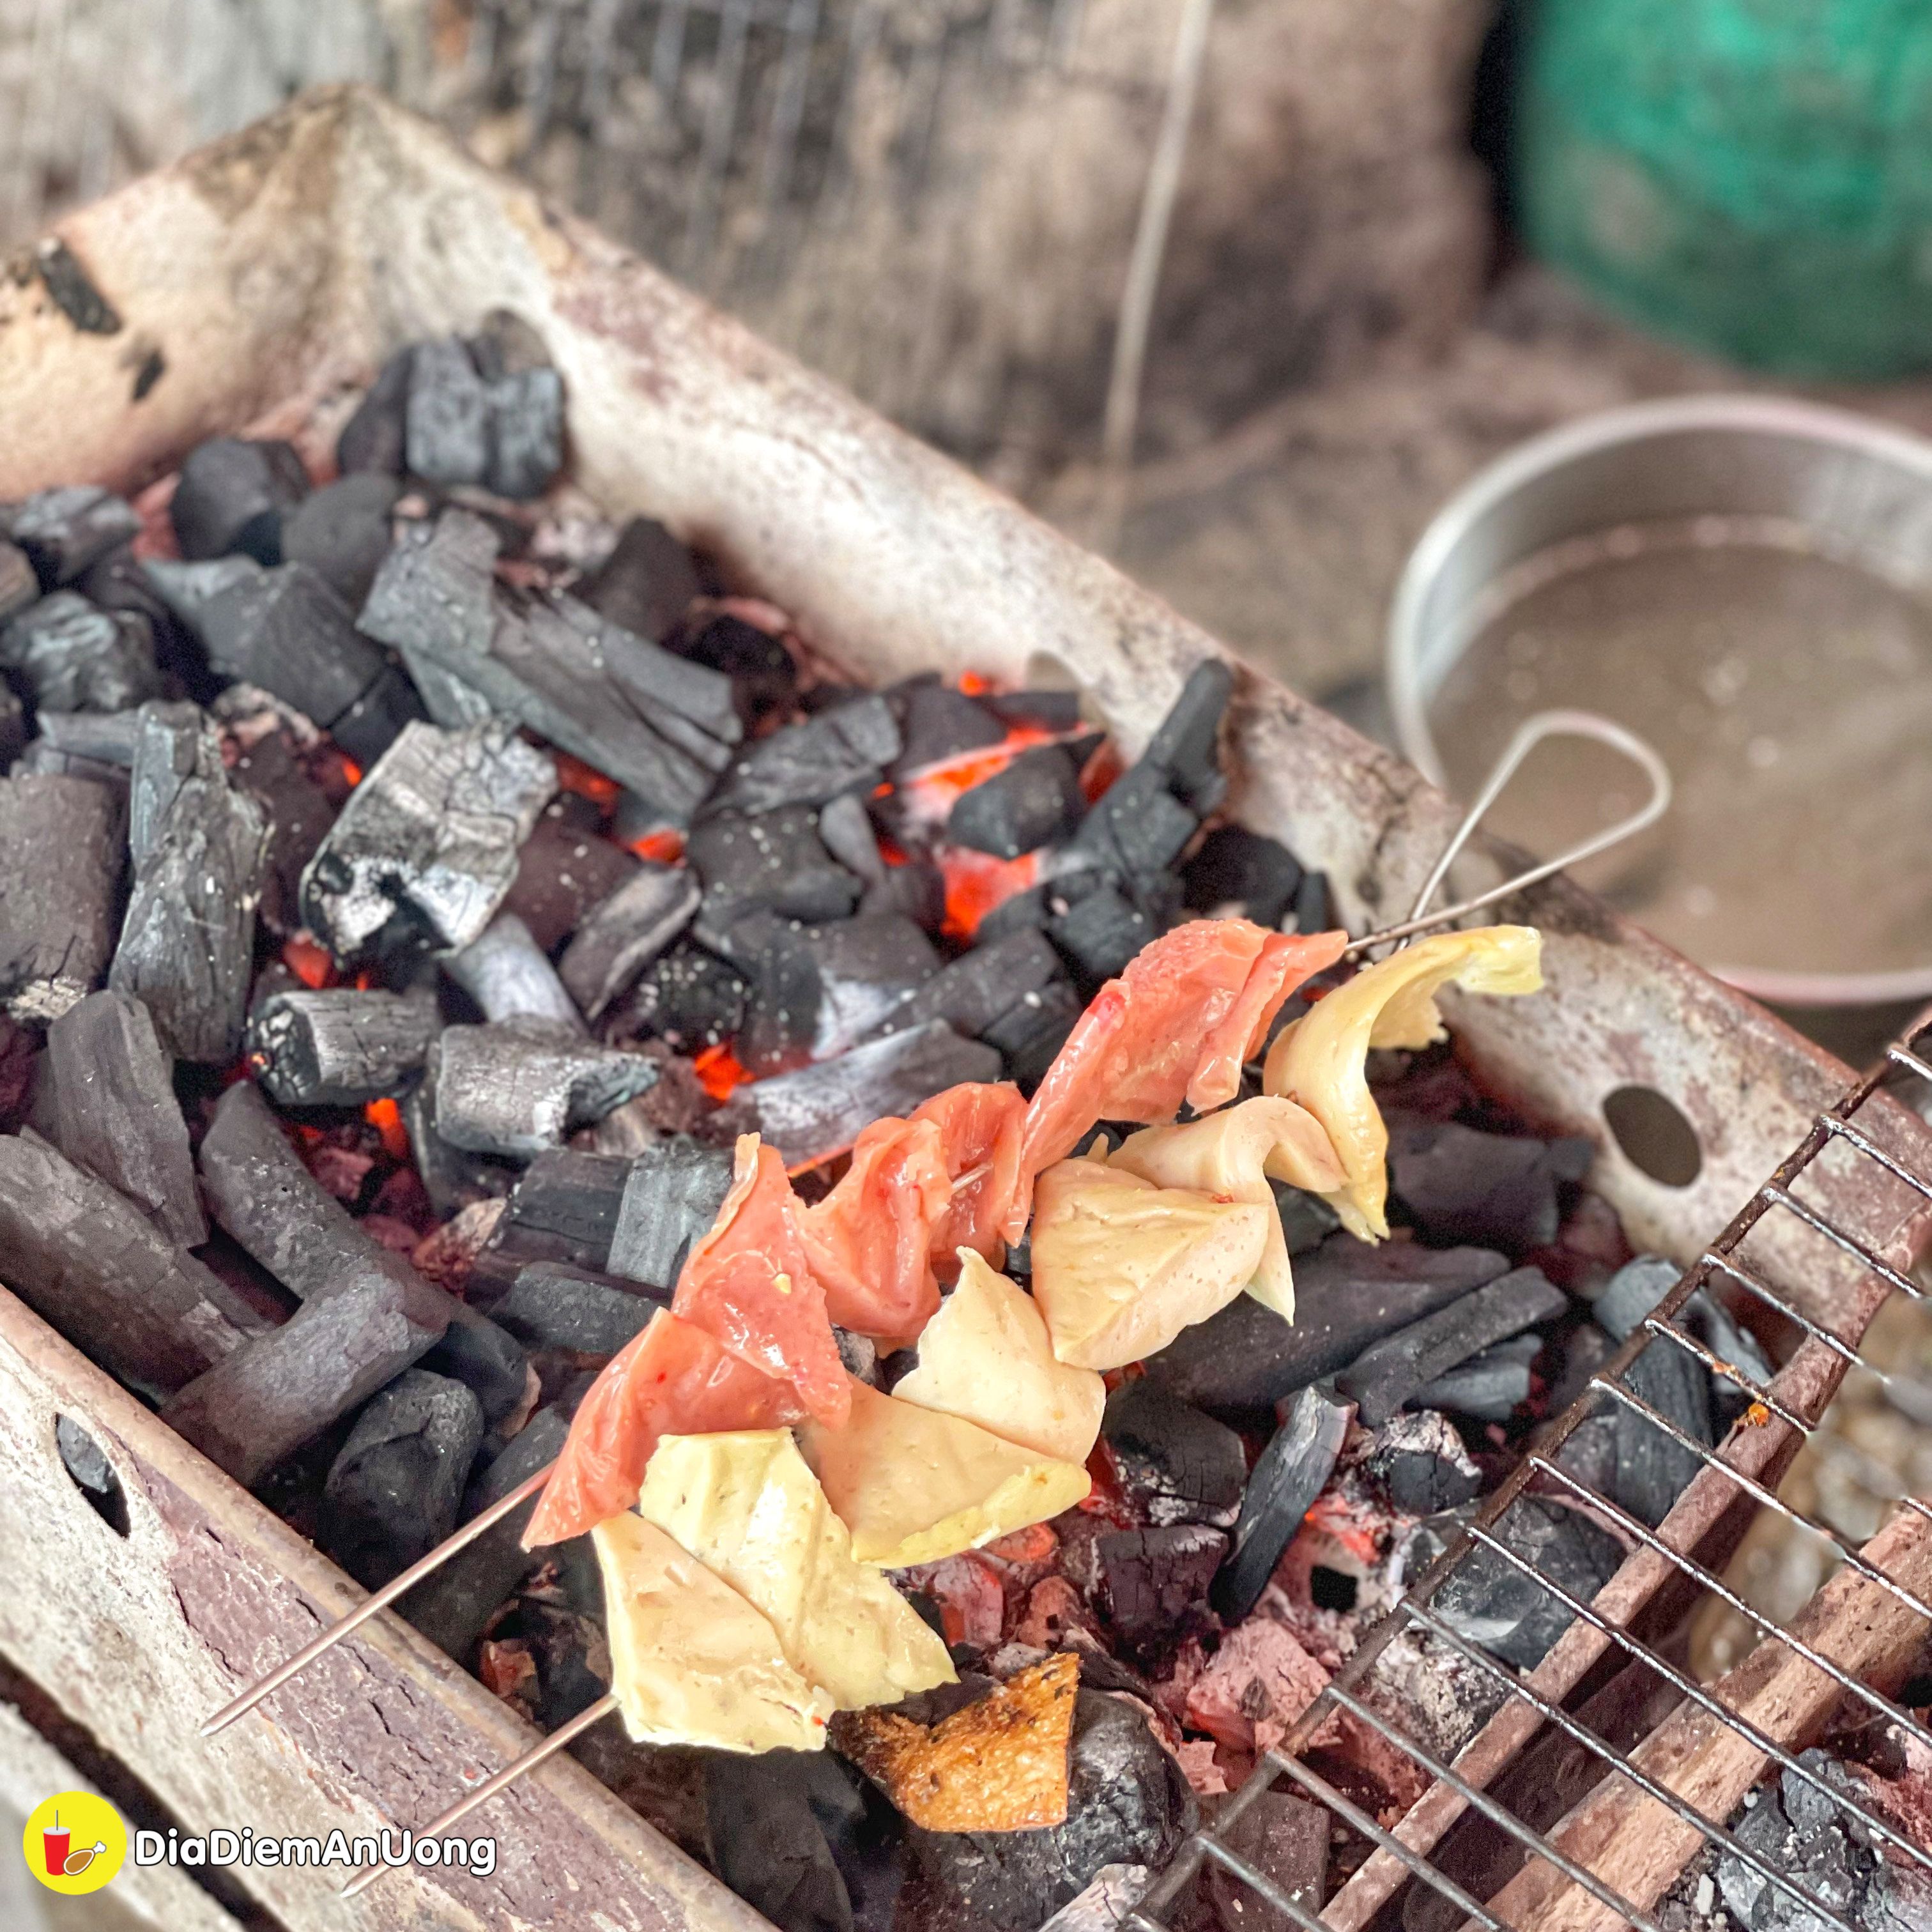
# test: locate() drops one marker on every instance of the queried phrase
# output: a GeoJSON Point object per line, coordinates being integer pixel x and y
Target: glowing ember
{"type": "Point", "coordinates": [386, 1117]}
{"type": "Point", "coordinates": [718, 1072]}
{"type": "Point", "coordinates": [1100, 771]}
{"type": "Point", "coordinates": [663, 847]}
{"type": "Point", "coordinates": [352, 771]}
{"type": "Point", "coordinates": [573, 775]}
{"type": "Point", "coordinates": [976, 882]}
{"type": "Point", "coordinates": [307, 958]}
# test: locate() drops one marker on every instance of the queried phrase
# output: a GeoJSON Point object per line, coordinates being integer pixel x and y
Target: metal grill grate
{"type": "Point", "coordinates": [1643, 1827]}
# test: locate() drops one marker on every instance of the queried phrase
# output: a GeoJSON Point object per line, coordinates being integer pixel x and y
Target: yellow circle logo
{"type": "Point", "coordinates": [75, 1842]}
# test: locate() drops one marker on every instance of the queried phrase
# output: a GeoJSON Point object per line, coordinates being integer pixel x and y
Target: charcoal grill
{"type": "Point", "coordinates": [269, 275]}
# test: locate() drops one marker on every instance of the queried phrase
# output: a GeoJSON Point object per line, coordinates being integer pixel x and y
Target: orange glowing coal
{"type": "Point", "coordinates": [976, 882]}
{"type": "Point", "coordinates": [718, 1072]}
{"type": "Point", "coordinates": [386, 1117]}
{"type": "Point", "coordinates": [573, 775]}
{"type": "Point", "coordinates": [663, 847]}
{"type": "Point", "coordinates": [307, 958]}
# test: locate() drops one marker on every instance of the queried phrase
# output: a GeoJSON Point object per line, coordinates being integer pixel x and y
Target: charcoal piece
{"type": "Point", "coordinates": [103, 737]}
{"type": "Point", "coordinates": [510, 977]}
{"type": "Point", "coordinates": [1256, 876]}
{"type": "Point", "coordinates": [280, 1390]}
{"type": "Point", "coordinates": [970, 994]}
{"type": "Point", "coordinates": [940, 723]}
{"type": "Point", "coordinates": [1314, 905]}
{"type": "Point", "coordinates": [259, 1190]}
{"type": "Point", "coordinates": [762, 676]}
{"type": "Point", "coordinates": [916, 890]}
{"type": "Point", "coordinates": [42, 758]}
{"type": "Point", "coordinates": [1652, 1469]}
{"type": "Point", "coordinates": [1031, 1031]}
{"type": "Point", "coordinates": [1051, 710]}
{"type": "Point", "coordinates": [516, 1086]}
{"type": "Point", "coordinates": [551, 1305]}
{"type": "Point", "coordinates": [269, 766]}
{"type": "Point", "coordinates": [1490, 1190]}
{"type": "Point", "coordinates": [451, 1176]}
{"type": "Point", "coordinates": [1638, 1285]}
{"type": "Point", "coordinates": [575, 1196]}
{"type": "Point", "coordinates": [1136, 828]}
{"type": "Point", "coordinates": [815, 1112]}
{"type": "Point", "coordinates": [342, 533]}
{"type": "Point", "coordinates": [373, 440]}
{"type": "Point", "coordinates": [776, 861]}
{"type": "Point", "coordinates": [1176, 1464]}
{"type": "Point", "coordinates": [1389, 1373]}
{"type": "Point", "coordinates": [767, 1844]}
{"type": "Point", "coordinates": [1101, 933]}
{"type": "Point", "coordinates": [1418, 1461]}
{"type": "Point", "coordinates": [188, 589]}
{"type": "Point", "coordinates": [647, 583]}
{"type": "Point", "coordinates": [564, 869]}
{"type": "Point", "coordinates": [338, 1047]}
{"type": "Point", "coordinates": [19, 586]}
{"type": "Point", "coordinates": [1307, 1219]}
{"type": "Point", "coordinates": [115, 1114]}
{"type": "Point", "coordinates": [526, 432]}
{"type": "Point", "coordinates": [60, 874]}
{"type": "Point", "coordinates": [1288, 1477]}
{"type": "Point", "coordinates": [1027, 911]}
{"type": "Point", "coordinates": [691, 999]}
{"type": "Point", "coordinates": [14, 727]}
{"type": "Point", "coordinates": [671, 1198]}
{"type": "Point", "coordinates": [869, 966]}
{"type": "Point", "coordinates": [1286, 1839]}
{"type": "Point", "coordinates": [1185, 745]}
{"type": "Point", "coordinates": [1128, 1804]}
{"type": "Point", "coordinates": [375, 720]}
{"type": "Point", "coordinates": [91, 1265]}
{"type": "Point", "coordinates": [1584, 1350]}
{"type": "Point", "coordinates": [1155, 1578]}
{"type": "Point", "coordinates": [120, 582]}
{"type": "Point", "coordinates": [68, 656]}
{"type": "Point", "coordinates": [845, 749]}
{"type": "Point", "coordinates": [83, 1459]}
{"type": "Point", "coordinates": [65, 530]}
{"type": "Point", "coordinates": [231, 496]}
{"type": "Point", "coordinates": [1488, 1386]}
{"type": "Point", "coordinates": [1348, 1295]}
{"type": "Point", "coordinates": [624, 934]}
{"type": "Point", "coordinates": [429, 837]}
{"type": "Point", "coordinates": [1490, 1601]}
{"type": "Point", "coordinates": [1034, 801]}
{"type": "Point", "coordinates": [846, 827]}
{"type": "Point", "coordinates": [446, 420]}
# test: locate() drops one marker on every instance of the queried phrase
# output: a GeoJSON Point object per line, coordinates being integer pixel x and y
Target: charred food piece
{"type": "Point", "coordinates": [60, 859]}
{"type": "Point", "coordinates": [671, 1196]}
{"type": "Point", "coordinates": [1176, 1464]}
{"type": "Point", "coordinates": [69, 656]}
{"type": "Point", "coordinates": [626, 933]}
{"type": "Point", "coordinates": [516, 1086]}
{"type": "Point", "coordinates": [342, 533]}
{"type": "Point", "coordinates": [64, 531]}
{"type": "Point", "coordinates": [647, 583]}
{"type": "Point", "coordinates": [1035, 801]}
{"type": "Point", "coordinates": [338, 1047]}
{"type": "Point", "coordinates": [510, 977]}
{"type": "Point", "coordinates": [845, 749]}
{"type": "Point", "coordinates": [231, 495]}
{"type": "Point", "coordinates": [1288, 1475]}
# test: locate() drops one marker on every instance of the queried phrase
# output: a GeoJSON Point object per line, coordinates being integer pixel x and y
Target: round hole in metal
{"type": "Point", "coordinates": [1654, 1135]}
{"type": "Point", "coordinates": [90, 1473]}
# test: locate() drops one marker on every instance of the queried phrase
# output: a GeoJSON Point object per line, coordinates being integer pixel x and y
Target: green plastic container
{"type": "Point", "coordinates": [1754, 177]}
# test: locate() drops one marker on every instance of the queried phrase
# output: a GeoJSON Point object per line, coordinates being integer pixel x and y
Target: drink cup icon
{"type": "Point", "coordinates": [54, 1843]}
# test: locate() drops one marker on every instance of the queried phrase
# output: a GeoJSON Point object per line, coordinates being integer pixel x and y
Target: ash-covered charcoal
{"type": "Point", "coordinates": [646, 584]}
{"type": "Point", "coordinates": [844, 750]}
{"type": "Point", "coordinates": [446, 418]}
{"type": "Point", "coordinates": [1034, 801]}
{"type": "Point", "coordinates": [690, 999]}
{"type": "Point", "coordinates": [818, 1111]}
{"type": "Point", "coordinates": [279, 1391]}
{"type": "Point", "coordinates": [1154, 1580]}
{"type": "Point", "coordinates": [1488, 1386]}
{"type": "Point", "coordinates": [514, 1087]}
{"type": "Point", "coordinates": [1389, 1374]}
{"type": "Point", "coordinates": [451, 1176]}
{"type": "Point", "coordinates": [1491, 1190]}
{"type": "Point", "coordinates": [19, 586]}
{"type": "Point", "coordinates": [231, 495]}
{"type": "Point", "coordinates": [775, 861]}
{"type": "Point", "coordinates": [199, 847]}
{"type": "Point", "coordinates": [1286, 1839]}
{"type": "Point", "coordinates": [577, 1198]}
{"type": "Point", "coordinates": [970, 994]}
{"type": "Point", "coordinates": [1101, 933]}
{"type": "Point", "coordinates": [91, 1266]}
{"type": "Point", "coordinates": [1136, 829]}
{"type": "Point", "coordinates": [552, 1305]}
{"type": "Point", "coordinates": [1803, 1832]}
{"type": "Point", "coordinates": [115, 1114]}
{"type": "Point", "coordinates": [625, 933]}
{"type": "Point", "coordinates": [1636, 1289]}
{"type": "Point", "coordinates": [60, 877]}
{"type": "Point", "coordinates": [845, 824]}
{"type": "Point", "coordinates": [68, 656]}
{"type": "Point", "coordinates": [510, 977]}
{"type": "Point", "coordinates": [1288, 1475]}
{"type": "Point", "coordinates": [938, 723]}
{"type": "Point", "coordinates": [1348, 1295]}
{"type": "Point", "coordinates": [64, 531]}
{"type": "Point", "coordinates": [392, 1492]}
{"type": "Point", "coordinates": [1033, 1030]}
{"type": "Point", "coordinates": [120, 582]}
{"type": "Point", "coordinates": [342, 533]}
{"type": "Point", "coordinates": [1417, 1461]}
{"type": "Point", "coordinates": [1242, 872]}
{"type": "Point", "coordinates": [565, 867]}
{"type": "Point", "coordinates": [526, 408]}
{"type": "Point", "coordinates": [764, 677]}
{"type": "Point", "coordinates": [869, 968]}
{"type": "Point", "coordinates": [430, 836]}
{"type": "Point", "coordinates": [767, 1843]}
{"type": "Point", "coordinates": [1175, 1464]}
{"type": "Point", "coordinates": [671, 1197]}
{"type": "Point", "coordinates": [338, 1047]}
{"type": "Point", "coordinates": [187, 589]}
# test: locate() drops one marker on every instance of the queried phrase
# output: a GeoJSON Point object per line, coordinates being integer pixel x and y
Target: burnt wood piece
{"type": "Point", "coordinates": [575, 1196]}
{"type": "Point", "coordinates": [283, 1389]}
{"type": "Point", "coordinates": [1488, 1386]}
{"type": "Point", "coordinates": [60, 877]}
{"type": "Point", "coordinates": [622, 936]}
{"type": "Point", "coordinates": [1155, 1579]}
{"type": "Point", "coordinates": [671, 1197]}
{"type": "Point", "coordinates": [1175, 1463]}
{"type": "Point", "coordinates": [342, 533]}
{"type": "Point", "coordinates": [1034, 801]}
{"type": "Point", "coordinates": [784, 990]}
{"type": "Point", "coordinates": [1489, 1190]}
{"type": "Point", "coordinates": [776, 861]}
{"type": "Point", "coordinates": [940, 723]}
{"type": "Point", "coordinates": [647, 583]}
{"type": "Point", "coordinates": [1256, 875]}
{"type": "Point", "coordinates": [844, 750]}
{"type": "Point", "coordinates": [91, 1265]}
{"type": "Point", "coordinates": [393, 1491]}
{"type": "Point", "coordinates": [68, 656]}
{"type": "Point", "coordinates": [231, 496]}
{"type": "Point", "coordinates": [259, 1190]}
{"type": "Point", "coordinates": [1348, 1294]}
{"type": "Point", "coordinates": [19, 586]}
{"type": "Point", "coordinates": [339, 1047]}
{"type": "Point", "coordinates": [516, 1086]}
{"type": "Point", "coordinates": [1418, 1461]}
{"type": "Point", "coordinates": [510, 977]}
{"type": "Point", "coordinates": [451, 1176]}
{"type": "Point", "coordinates": [1137, 827]}
{"type": "Point", "coordinates": [565, 867]}
{"type": "Point", "coordinates": [690, 999]}
{"type": "Point", "coordinates": [446, 415]}
{"type": "Point", "coordinates": [65, 530]}
{"type": "Point", "coordinates": [429, 838]}
{"type": "Point", "coordinates": [1638, 1285]}
{"type": "Point", "coordinates": [374, 439]}
{"type": "Point", "coordinates": [818, 1111]}
{"type": "Point", "coordinates": [1652, 1469]}
{"type": "Point", "coordinates": [1033, 1029]}
{"type": "Point", "coordinates": [187, 589]}
{"type": "Point", "coordinates": [552, 1305]}
{"type": "Point", "coordinates": [115, 1113]}
{"type": "Point", "coordinates": [526, 421]}
{"type": "Point", "coordinates": [1288, 1476]}
{"type": "Point", "coordinates": [101, 737]}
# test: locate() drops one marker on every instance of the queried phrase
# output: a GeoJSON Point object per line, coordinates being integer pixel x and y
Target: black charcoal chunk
{"type": "Point", "coordinates": [767, 1844]}
{"type": "Point", "coordinates": [1155, 1580]}
{"type": "Point", "coordinates": [84, 1459]}
{"type": "Point", "coordinates": [392, 1491]}
{"type": "Point", "coordinates": [1033, 1029]}
{"type": "Point", "coordinates": [61, 842]}
{"type": "Point", "coordinates": [1136, 828]}
{"type": "Point", "coordinates": [629, 931]}
{"type": "Point", "coordinates": [1176, 1464]}
{"type": "Point", "coordinates": [818, 1111]}
{"type": "Point", "coordinates": [431, 835]}
{"type": "Point", "coordinates": [574, 1196]}
{"type": "Point", "coordinates": [647, 583]}
{"type": "Point", "coordinates": [846, 749]}
{"type": "Point", "coordinates": [452, 1177]}
{"type": "Point", "coordinates": [1288, 1477]}
{"type": "Point", "coordinates": [1348, 1294]}
{"type": "Point", "coordinates": [775, 860]}
{"type": "Point", "coordinates": [188, 589]}
{"type": "Point", "coordinates": [1185, 745]}
{"type": "Point", "coordinates": [447, 417]}
{"type": "Point", "coordinates": [1652, 1468]}
{"type": "Point", "coordinates": [1488, 1386]}
{"type": "Point", "coordinates": [1255, 875]}
{"type": "Point", "coordinates": [514, 1087]}
{"type": "Point", "coordinates": [1418, 1461]}
{"type": "Point", "coordinates": [1027, 911]}
{"type": "Point", "coordinates": [1035, 801]}
{"type": "Point", "coordinates": [551, 1305]}
{"type": "Point", "coordinates": [1314, 905]}
{"type": "Point", "coordinates": [1636, 1289]}
{"type": "Point", "coordinates": [269, 763]}
{"type": "Point", "coordinates": [19, 586]}
{"type": "Point", "coordinates": [231, 496]}
{"type": "Point", "coordinates": [1051, 710]}
{"type": "Point", "coordinates": [280, 1390]}
{"type": "Point", "coordinates": [101, 737]}
{"type": "Point", "coordinates": [510, 977]}
{"type": "Point", "coordinates": [1389, 1373]}
{"type": "Point", "coordinates": [764, 677]}
{"type": "Point", "coordinates": [65, 530]}
{"type": "Point", "coordinates": [971, 993]}
{"type": "Point", "coordinates": [339, 1047]}
{"type": "Point", "coordinates": [1307, 1219]}
{"type": "Point", "coordinates": [342, 533]}
{"type": "Point", "coordinates": [671, 1198]}
{"type": "Point", "coordinates": [526, 432]}
{"type": "Point", "coordinates": [940, 723]}
{"type": "Point", "coordinates": [915, 890]}
{"type": "Point", "coordinates": [91, 1265]}
{"type": "Point", "coordinates": [846, 827]}
{"type": "Point", "coordinates": [68, 656]}
{"type": "Point", "coordinates": [1491, 1190]}
{"type": "Point", "coordinates": [1488, 1600]}
{"type": "Point", "coordinates": [869, 968]}
{"type": "Point", "coordinates": [1286, 1839]}
{"type": "Point", "coordinates": [691, 999]}
{"type": "Point", "coordinates": [373, 440]}
{"type": "Point", "coordinates": [565, 868]}
{"type": "Point", "coordinates": [1101, 933]}
{"type": "Point", "coordinates": [115, 1113]}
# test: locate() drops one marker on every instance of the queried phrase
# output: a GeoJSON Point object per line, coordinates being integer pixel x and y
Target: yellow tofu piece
{"type": "Point", "coordinates": [1121, 1266]}
{"type": "Point", "coordinates": [913, 1485]}
{"type": "Point", "coordinates": [744, 1504]}
{"type": "Point", "coordinates": [986, 1357]}
{"type": "Point", "coordinates": [692, 1662]}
